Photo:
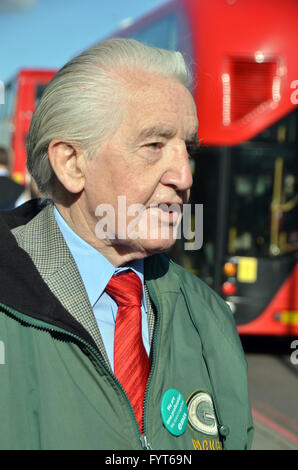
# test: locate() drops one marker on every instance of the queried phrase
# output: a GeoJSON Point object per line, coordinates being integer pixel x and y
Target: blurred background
{"type": "Point", "coordinates": [243, 55]}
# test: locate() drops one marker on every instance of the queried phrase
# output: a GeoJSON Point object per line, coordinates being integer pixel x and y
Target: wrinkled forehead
{"type": "Point", "coordinates": [157, 89]}
{"type": "Point", "coordinates": [162, 102]}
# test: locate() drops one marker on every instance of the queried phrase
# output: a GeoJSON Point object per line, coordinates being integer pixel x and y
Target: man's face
{"type": "Point", "coordinates": [145, 162]}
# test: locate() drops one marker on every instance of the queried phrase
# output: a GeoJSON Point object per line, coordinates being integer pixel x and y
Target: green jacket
{"type": "Point", "coordinates": [57, 390]}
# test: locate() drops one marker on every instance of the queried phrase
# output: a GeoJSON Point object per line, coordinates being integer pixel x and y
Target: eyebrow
{"type": "Point", "coordinates": [162, 131]}
{"type": "Point", "coordinates": [166, 132]}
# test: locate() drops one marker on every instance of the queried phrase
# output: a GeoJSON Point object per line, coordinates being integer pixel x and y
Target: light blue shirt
{"type": "Point", "coordinates": [96, 271]}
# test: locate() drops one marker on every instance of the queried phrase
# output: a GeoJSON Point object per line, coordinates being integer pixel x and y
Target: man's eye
{"type": "Point", "coordinates": [155, 145]}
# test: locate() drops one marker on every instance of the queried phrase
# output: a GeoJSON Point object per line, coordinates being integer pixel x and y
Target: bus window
{"type": "Point", "coordinates": [163, 33]}
{"type": "Point", "coordinates": [263, 195]}
{"type": "Point", "coordinates": [284, 131]}
{"type": "Point", "coordinates": [260, 211]}
{"type": "Point", "coordinates": [204, 191]}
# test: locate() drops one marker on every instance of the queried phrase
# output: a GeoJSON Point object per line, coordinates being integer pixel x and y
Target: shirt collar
{"type": "Point", "coordinates": [94, 268]}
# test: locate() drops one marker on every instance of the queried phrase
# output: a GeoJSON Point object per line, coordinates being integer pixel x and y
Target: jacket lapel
{"type": "Point", "coordinates": [43, 241]}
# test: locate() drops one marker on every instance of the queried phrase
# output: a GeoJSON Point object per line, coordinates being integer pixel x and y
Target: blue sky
{"type": "Point", "coordinates": [47, 33]}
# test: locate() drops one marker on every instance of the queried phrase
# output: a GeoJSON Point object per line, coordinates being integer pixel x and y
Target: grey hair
{"type": "Point", "coordinates": [82, 102]}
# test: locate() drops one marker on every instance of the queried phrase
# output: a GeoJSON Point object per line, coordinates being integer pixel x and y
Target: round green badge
{"type": "Point", "coordinates": [174, 412]}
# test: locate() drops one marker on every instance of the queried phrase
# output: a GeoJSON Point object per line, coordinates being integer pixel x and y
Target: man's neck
{"type": "Point", "coordinates": [116, 251]}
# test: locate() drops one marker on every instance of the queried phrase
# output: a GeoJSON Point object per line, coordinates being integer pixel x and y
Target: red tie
{"type": "Point", "coordinates": [131, 363]}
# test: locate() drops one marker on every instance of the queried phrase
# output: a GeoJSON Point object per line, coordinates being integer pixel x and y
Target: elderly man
{"type": "Point", "coordinates": [108, 344]}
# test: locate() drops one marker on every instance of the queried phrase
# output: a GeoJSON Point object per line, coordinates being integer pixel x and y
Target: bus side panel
{"type": "Point", "coordinates": [280, 317]}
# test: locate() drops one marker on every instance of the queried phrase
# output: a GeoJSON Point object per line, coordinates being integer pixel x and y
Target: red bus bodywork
{"type": "Point", "coordinates": [232, 37]}
{"type": "Point", "coordinates": [25, 102]}
{"type": "Point", "coordinates": [255, 43]}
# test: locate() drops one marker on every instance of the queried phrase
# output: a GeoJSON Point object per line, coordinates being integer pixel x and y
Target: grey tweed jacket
{"type": "Point", "coordinates": [42, 239]}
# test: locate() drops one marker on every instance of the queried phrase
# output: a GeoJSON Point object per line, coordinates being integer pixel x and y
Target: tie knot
{"type": "Point", "coordinates": [126, 289]}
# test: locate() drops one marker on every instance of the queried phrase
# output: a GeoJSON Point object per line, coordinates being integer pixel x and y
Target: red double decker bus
{"type": "Point", "coordinates": [22, 94]}
{"type": "Point", "coordinates": [243, 54]}
{"type": "Point", "coordinates": [243, 57]}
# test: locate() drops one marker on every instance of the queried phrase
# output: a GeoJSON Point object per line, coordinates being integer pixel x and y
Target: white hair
{"type": "Point", "coordinates": [82, 102]}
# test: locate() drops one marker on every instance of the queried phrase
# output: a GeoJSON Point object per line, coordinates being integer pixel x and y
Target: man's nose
{"type": "Point", "coordinates": [178, 173]}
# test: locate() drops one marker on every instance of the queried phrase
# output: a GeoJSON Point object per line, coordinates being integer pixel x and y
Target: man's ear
{"type": "Point", "coordinates": [67, 162]}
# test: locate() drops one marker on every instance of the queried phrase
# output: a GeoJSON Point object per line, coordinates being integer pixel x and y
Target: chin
{"type": "Point", "coordinates": [151, 247]}
{"type": "Point", "coordinates": [143, 244]}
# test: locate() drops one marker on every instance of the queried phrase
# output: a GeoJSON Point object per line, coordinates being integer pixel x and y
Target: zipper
{"type": "Point", "coordinates": [144, 440]}
{"type": "Point", "coordinates": [39, 324]}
